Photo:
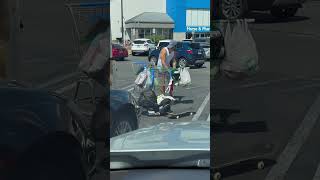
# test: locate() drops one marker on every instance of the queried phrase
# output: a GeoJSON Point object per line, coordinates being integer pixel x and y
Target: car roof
{"type": "Point", "coordinates": [142, 39]}
{"type": "Point", "coordinates": [166, 40]}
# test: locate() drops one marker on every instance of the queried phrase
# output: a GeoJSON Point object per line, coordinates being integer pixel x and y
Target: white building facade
{"type": "Point", "coordinates": [191, 17]}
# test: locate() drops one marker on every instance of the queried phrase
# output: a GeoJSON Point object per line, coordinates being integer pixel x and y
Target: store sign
{"type": "Point", "coordinates": [198, 29]}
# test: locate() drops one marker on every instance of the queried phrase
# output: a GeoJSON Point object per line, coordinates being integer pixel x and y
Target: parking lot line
{"type": "Point", "coordinates": [201, 108]}
{"type": "Point", "coordinates": [289, 153]}
{"type": "Point", "coordinates": [127, 87]}
{"type": "Point", "coordinates": [208, 119]}
{"type": "Point", "coordinates": [317, 174]}
{"type": "Point", "coordinates": [57, 80]}
{"type": "Point", "coordinates": [66, 88]}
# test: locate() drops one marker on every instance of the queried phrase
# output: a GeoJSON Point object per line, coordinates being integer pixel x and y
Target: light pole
{"type": "Point", "coordinates": [122, 30]}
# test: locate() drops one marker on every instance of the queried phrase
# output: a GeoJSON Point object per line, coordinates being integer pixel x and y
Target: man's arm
{"type": "Point", "coordinates": [163, 58]}
{"type": "Point", "coordinates": [174, 61]}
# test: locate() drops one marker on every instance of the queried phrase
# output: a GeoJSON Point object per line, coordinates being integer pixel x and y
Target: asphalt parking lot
{"type": "Point", "coordinates": [283, 95]}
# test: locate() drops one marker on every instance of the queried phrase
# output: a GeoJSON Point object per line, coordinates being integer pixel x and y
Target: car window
{"type": "Point", "coordinates": [163, 44]}
{"type": "Point", "coordinates": [139, 42]}
{"type": "Point", "coordinates": [195, 45]}
{"type": "Point", "coordinates": [199, 40]}
{"type": "Point", "coordinates": [186, 44]}
{"type": "Point", "coordinates": [116, 46]}
{"type": "Point", "coordinates": [179, 45]}
{"type": "Point", "coordinates": [205, 46]}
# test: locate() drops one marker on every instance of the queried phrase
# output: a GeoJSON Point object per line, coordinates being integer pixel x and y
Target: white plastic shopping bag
{"type": "Point", "coordinates": [241, 53]}
{"type": "Point", "coordinates": [97, 54]}
{"type": "Point", "coordinates": [185, 78]}
{"type": "Point", "coordinates": [148, 82]}
{"type": "Point", "coordinates": [141, 78]}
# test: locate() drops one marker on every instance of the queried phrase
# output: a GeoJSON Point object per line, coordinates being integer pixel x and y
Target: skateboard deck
{"type": "Point", "coordinates": [235, 167]}
{"type": "Point", "coordinates": [180, 115]}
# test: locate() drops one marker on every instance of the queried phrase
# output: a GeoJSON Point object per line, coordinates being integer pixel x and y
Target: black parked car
{"type": "Point", "coordinates": [44, 135]}
{"type": "Point", "coordinates": [234, 9]}
{"type": "Point", "coordinates": [187, 54]}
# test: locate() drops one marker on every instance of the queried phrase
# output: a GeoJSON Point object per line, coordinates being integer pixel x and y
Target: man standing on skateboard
{"type": "Point", "coordinates": [167, 55]}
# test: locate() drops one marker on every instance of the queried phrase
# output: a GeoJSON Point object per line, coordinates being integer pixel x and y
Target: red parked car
{"type": "Point", "coordinates": [119, 52]}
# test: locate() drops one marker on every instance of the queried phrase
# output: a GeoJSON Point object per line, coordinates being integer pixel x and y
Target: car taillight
{"type": "Point", "coordinates": [189, 51]}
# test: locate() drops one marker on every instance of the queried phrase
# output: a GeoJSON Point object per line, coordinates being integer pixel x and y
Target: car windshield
{"type": "Point", "coordinates": [163, 44]}
{"type": "Point", "coordinates": [116, 46]}
{"type": "Point", "coordinates": [161, 101]}
{"type": "Point", "coordinates": [139, 42]}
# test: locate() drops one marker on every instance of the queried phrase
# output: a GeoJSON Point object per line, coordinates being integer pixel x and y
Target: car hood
{"type": "Point", "coordinates": [165, 136]}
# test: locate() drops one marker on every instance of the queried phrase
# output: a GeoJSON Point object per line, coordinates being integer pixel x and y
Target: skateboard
{"type": "Point", "coordinates": [252, 163]}
{"type": "Point", "coordinates": [179, 115]}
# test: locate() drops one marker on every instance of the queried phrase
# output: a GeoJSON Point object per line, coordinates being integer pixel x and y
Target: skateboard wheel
{"type": "Point", "coordinates": [191, 114]}
{"type": "Point", "coordinates": [260, 165]}
{"type": "Point", "coordinates": [217, 176]}
{"type": "Point", "coordinates": [177, 117]}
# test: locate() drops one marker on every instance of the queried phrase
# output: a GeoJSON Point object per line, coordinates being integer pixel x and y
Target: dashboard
{"type": "Point", "coordinates": [161, 174]}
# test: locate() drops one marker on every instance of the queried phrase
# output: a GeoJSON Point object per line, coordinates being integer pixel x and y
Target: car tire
{"type": "Point", "coordinates": [182, 62]}
{"type": "Point", "coordinates": [283, 12]}
{"type": "Point", "coordinates": [199, 65]}
{"type": "Point", "coordinates": [133, 54]}
{"type": "Point", "coordinates": [153, 60]}
{"type": "Point", "coordinates": [125, 123]}
{"type": "Point", "coordinates": [231, 9]}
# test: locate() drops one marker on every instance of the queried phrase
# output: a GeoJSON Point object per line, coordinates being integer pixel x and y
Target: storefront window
{"type": "Point", "coordinates": [141, 33]}
{"type": "Point", "coordinates": [148, 32]}
{"type": "Point", "coordinates": [171, 34]}
{"type": "Point", "coordinates": [166, 33]}
{"type": "Point", "coordinates": [159, 32]}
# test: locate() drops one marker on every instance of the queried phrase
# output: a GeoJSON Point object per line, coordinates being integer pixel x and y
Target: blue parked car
{"type": "Point", "coordinates": [188, 54]}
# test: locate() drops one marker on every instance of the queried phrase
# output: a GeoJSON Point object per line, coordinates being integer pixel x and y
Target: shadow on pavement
{"type": "Point", "coordinates": [221, 123]}
{"type": "Point", "coordinates": [267, 18]}
{"type": "Point", "coordinates": [180, 101]}
{"type": "Point", "coordinates": [240, 127]}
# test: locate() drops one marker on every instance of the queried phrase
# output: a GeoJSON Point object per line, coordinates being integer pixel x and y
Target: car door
{"type": "Point", "coordinates": [179, 50]}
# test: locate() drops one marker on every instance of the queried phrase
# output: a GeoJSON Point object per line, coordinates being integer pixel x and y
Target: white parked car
{"type": "Point", "coordinates": [163, 43]}
{"type": "Point", "coordinates": [142, 46]}
{"type": "Point", "coordinates": [206, 47]}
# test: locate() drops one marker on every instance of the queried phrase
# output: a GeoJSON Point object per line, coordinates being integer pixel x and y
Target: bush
{"type": "Point", "coordinates": [156, 38]}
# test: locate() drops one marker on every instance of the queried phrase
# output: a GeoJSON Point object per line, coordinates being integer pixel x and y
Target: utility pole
{"type": "Point", "coordinates": [122, 29]}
